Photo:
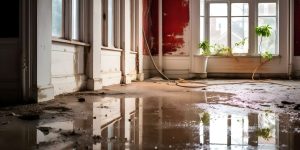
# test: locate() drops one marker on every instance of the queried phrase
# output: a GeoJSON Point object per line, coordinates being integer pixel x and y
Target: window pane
{"type": "Point", "coordinates": [239, 32]}
{"type": "Point", "coordinates": [202, 7]}
{"type": "Point", "coordinates": [75, 19]}
{"type": "Point", "coordinates": [218, 127]}
{"type": "Point", "coordinates": [238, 136]}
{"type": "Point", "coordinates": [111, 23]}
{"type": "Point", "coordinates": [268, 44]}
{"type": "Point", "coordinates": [218, 30]}
{"type": "Point", "coordinates": [57, 23]}
{"type": "Point", "coordinates": [202, 29]}
{"type": "Point", "coordinates": [239, 9]}
{"type": "Point", "coordinates": [218, 9]}
{"type": "Point", "coordinates": [267, 9]}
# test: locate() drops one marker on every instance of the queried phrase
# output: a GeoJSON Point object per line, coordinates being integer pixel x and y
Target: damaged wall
{"type": "Point", "coordinates": [176, 29]}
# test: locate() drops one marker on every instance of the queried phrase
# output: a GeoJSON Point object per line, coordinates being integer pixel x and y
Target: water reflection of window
{"type": "Point", "coordinates": [218, 129]}
{"type": "Point", "coordinates": [239, 132]}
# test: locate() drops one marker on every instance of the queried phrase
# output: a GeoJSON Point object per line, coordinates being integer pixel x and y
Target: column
{"type": "Point", "coordinates": [94, 55]}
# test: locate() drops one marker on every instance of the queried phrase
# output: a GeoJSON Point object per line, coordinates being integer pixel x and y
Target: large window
{"type": "Point", "coordinates": [227, 22]}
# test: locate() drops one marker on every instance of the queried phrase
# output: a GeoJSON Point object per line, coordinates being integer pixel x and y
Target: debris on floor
{"type": "Point", "coordinates": [192, 118]}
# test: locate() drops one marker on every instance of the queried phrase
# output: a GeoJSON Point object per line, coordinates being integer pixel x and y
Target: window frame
{"type": "Point", "coordinates": [253, 22]}
{"type": "Point", "coordinates": [67, 23]}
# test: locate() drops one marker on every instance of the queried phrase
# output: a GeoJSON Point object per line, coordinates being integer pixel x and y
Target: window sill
{"type": "Point", "coordinates": [111, 49]}
{"type": "Point", "coordinates": [70, 42]}
{"type": "Point", "coordinates": [238, 56]}
{"type": "Point", "coordinates": [133, 52]}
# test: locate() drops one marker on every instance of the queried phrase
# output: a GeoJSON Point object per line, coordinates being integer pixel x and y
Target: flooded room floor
{"type": "Point", "coordinates": [226, 114]}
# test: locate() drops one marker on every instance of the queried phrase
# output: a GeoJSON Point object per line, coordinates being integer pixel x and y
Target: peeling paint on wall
{"type": "Point", "coordinates": [176, 28]}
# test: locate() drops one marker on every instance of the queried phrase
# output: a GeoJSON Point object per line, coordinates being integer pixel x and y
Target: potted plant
{"type": "Point", "coordinates": [205, 52]}
{"type": "Point", "coordinates": [263, 31]}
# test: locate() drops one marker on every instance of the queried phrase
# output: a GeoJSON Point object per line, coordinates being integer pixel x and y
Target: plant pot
{"type": "Point", "coordinates": [201, 66]}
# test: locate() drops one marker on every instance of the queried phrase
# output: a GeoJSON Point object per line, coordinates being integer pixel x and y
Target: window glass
{"type": "Point", "coordinates": [75, 19]}
{"type": "Point", "coordinates": [269, 44]}
{"type": "Point", "coordinates": [202, 29]}
{"type": "Point", "coordinates": [267, 16]}
{"type": "Point", "coordinates": [239, 9]}
{"type": "Point", "coordinates": [240, 32]}
{"type": "Point", "coordinates": [110, 20]}
{"type": "Point", "coordinates": [219, 30]}
{"type": "Point", "coordinates": [240, 27]}
{"type": "Point", "coordinates": [267, 9]}
{"type": "Point", "coordinates": [218, 9]}
{"type": "Point", "coordinates": [57, 18]}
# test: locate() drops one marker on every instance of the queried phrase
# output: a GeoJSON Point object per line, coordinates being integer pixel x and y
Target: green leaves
{"type": "Point", "coordinates": [240, 43]}
{"type": "Point", "coordinates": [205, 46]}
{"type": "Point", "coordinates": [205, 119]}
{"type": "Point", "coordinates": [264, 31]}
{"type": "Point", "coordinates": [267, 56]}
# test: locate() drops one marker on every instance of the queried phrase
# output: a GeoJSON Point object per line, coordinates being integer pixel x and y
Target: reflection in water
{"type": "Point", "coordinates": [155, 123]}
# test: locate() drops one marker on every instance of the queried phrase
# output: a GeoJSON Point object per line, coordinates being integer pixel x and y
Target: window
{"type": "Point", "coordinates": [57, 18]}
{"type": "Point", "coordinates": [227, 22]}
{"type": "Point", "coordinates": [111, 23]}
{"type": "Point", "coordinates": [68, 19]}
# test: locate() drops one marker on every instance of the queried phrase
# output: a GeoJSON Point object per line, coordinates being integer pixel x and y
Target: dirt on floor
{"type": "Point", "coordinates": [156, 114]}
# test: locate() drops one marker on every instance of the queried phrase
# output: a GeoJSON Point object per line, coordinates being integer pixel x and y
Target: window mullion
{"type": "Point", "coordinates": [252, 25]}
{"type": "Point", "coordinates": [68, 19]}
{"type": "Point", "coordinates": [207, 21]}
{"type": "Point", "coordinates": [229, 24]}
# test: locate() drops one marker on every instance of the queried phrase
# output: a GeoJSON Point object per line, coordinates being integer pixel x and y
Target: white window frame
{"type": "Point", "coordinates": [111, 34]}
{"type": "Point", "coordinates": [253, 22]}
{"type": "Point", "coordinates": [68, 20]}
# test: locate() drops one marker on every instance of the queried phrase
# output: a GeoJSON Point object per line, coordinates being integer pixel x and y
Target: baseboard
{"type": "Point", "coordinates": [45, 93]}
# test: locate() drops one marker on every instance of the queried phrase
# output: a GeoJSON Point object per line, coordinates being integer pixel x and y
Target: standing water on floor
{"type": "Point", "coordinates": [151, 123]}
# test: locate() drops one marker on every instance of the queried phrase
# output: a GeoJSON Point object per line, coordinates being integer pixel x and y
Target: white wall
{"type": "Point", "coordinates": [68, 68]}
{"type": "Point", "coordinates": [110, 67]}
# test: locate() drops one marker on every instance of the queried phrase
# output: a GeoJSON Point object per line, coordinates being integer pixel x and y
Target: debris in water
{"type": "Point", "coordinates": [4, 123]}
{"type": "Point", "coordinates": [287, 103]}
{"type": "Point", "coordinates": [45, 130]}
{"type": "Point", "coordinates": [70, 133]}
{"type": "Point", "coordinates": [297, 107]}
{"type": "Point", "coordinates": [81, 99]}
{"type": "Point", "coordinates": [57, 108]}
{"type": "Point", "coordinates": [265, 105]}
{"type": "Point", "coordinates": [30, 116]}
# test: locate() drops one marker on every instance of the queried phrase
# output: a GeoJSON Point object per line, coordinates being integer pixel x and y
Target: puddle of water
{"type": "Point", "coordinates": [156, 123]}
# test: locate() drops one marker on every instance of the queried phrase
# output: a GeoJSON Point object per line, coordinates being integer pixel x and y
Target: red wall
{"type": "Point", "coordinates": [297, 29]}
{"type": "Point", "coordinates": [175, 19]}
{"type": "Point", "coordinates": [146, 24]}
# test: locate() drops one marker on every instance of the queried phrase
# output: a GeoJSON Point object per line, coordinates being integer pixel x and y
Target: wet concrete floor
{"type": "Point", "coordinates": [158, 116]}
